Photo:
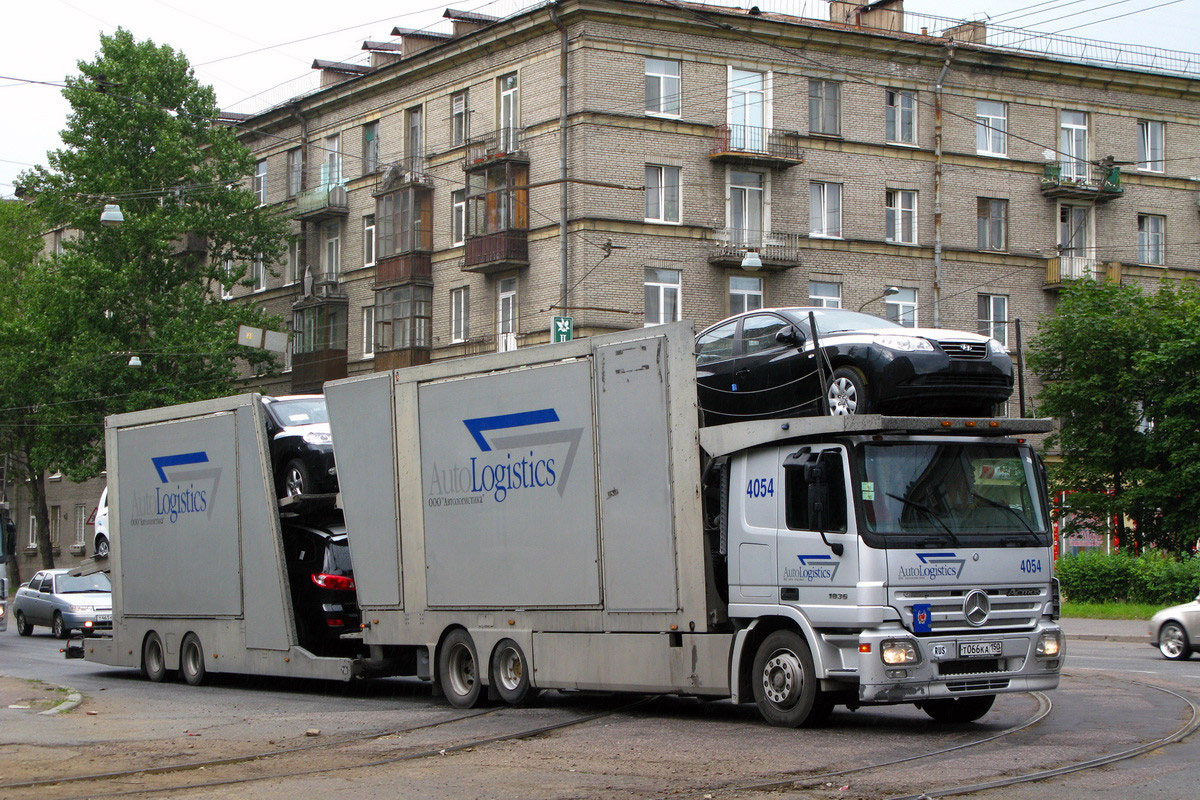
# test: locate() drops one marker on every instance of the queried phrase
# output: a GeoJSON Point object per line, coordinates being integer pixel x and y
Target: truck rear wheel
{"type": "Point", "coordinates": [786, 688]}
{"type": "Point", "coordinates": [154, 663]}
{"type": "Point", "coordinates": [458, 670]}
{"type": "Point", "coordinates": [191, 660]}
{"type": "Point", "coordinates": [510, 674]}
{"type": "Point", "coordinates": [958, 709]}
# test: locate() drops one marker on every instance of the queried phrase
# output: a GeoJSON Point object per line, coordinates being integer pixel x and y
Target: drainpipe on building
{"type": "Point", "coordinates": [562, 157]}
{"type": "Point", "coordinates": [937, 188]}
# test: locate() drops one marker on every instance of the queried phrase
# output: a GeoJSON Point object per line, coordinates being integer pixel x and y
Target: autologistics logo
{"type": "Point", "coordinates": [530, 460]}
{"type": "Point", "coordinates": [181, 493]}
{"type": "Point", "coordinates": [813, 568]}
{"type": "Point", "coordinates": [934, 566]}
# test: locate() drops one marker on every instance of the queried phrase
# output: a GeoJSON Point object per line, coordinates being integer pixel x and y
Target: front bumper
{"type": "Point", "coordinates": [82, 620]}
{"type": "Point", "coordinates": [3, 616]}
{"type": "Point", "coordinates": [941, 672]}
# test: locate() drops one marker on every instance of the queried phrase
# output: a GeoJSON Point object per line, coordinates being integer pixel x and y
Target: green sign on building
{"type": "Point", "coordinates": [562, 329]}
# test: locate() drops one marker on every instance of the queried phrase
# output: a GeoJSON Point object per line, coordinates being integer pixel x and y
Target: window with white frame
{"type": "Point", "coordinates": [331, 250]}
{"type": "Point", "coordinates": [747, 208]}
{"type": "Point", "coordinates": [260, 181]}
{"type": "Point", "coordinates": [824, 107]}
{"type": "Point", "coordinates": [663, 86]}
{"type": "Point", "coordinates": [293, 268]}
{"type": "Point", "coordinates": [508, 107]}
{"type": "Point", "coordinates": [32, 530]}
{"type": "Point", "coordinates": [901, 116]}
{"type": "Point", "coordinates": [901, 307]}
{"type": "Point", "coordinates": [258, 274]}
{"type": "Point", "coordinates": [825, 209]}
{"type": "Point", "coordinates": [414, 119]}
{"type": "Point", "coordinates": [458, 216]}
{"type": "Point", "coordinates": [1075, 240]}
{"type": "Point", "coordinates": [368, 240]}
{"type": "Point", "coordinates": [227, 270]}
{"type": "Point", "coordinates": [460, 311]}
{"type": "Point", "coordinates": [662, 194]}
{"type": "Point", "coordinates": [331, 169]}
{"type": "Point", "coordinates": [295, 170]}
{"type": "Point", "coordinates": [1152, 230]}
{"type": "Point", "coordinates": [991, 128]}
{"type": "Point", "coordinates": [748, 114]}
{"type": "Point", "coordinates": [825, 294]}
{"type": "Point", "coordinates": [745, 294]}
{"type": "Point", "coordinates": [993, 317]}
{"type": "Point", "coordinates": [506, 314]}
{"type": "Point", "coordinates": [370, 144]}
{"type": "Point", "coordinates": [460, 121]}
{"type": "Point", "coordinates": [992, 223]}
{"type": "Point", "coordinates": [901, 217]}
{"type": "Point", "coordinates": [662, 296]}
{"type": "Point", "coordinates": [80, 524]}
{"type": "Point", "coordinates": [368, 331]}
{"type": "Point", "coordinates": [1150, 145]}
{"type": "Point", "coordinates": [1073, 146]}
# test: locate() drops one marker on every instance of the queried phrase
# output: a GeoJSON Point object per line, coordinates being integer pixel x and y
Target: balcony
{"type": "Point", "coordinates": [743, 144]}
{"type": "Point", "coordinates": [1060, 270]}
{"type": "Point", "coordinates": [410, 171]}
{"type": "Point", "coordinates": [324, 202]}
{"type": "Point", "coordinates": [504, 144]}
{"type": "Point", "coordinates": [493, 252]}
{"type": "Point", "coordinates": [1081, 181]}
{"type": "Point", "coordinates": [415, 264]}
{"type": "Point", "coordinates": [778, 251]}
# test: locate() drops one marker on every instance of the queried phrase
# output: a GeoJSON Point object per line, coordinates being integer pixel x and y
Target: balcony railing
{"type": "Point", "coordinates": [497, 251]}
{"type": "Point", "coordinates": [1061, 269]}
{"type": "Point", "coordinates": [500, 144]}
{"type": "Point", "coordinates": [748, 144]}
{"type": "Point", "coordinates": [1080, 180]}
{"type": "Point", "coordinates": [776, 249]}
{"type": "Point", "coordinates": [323, 202]}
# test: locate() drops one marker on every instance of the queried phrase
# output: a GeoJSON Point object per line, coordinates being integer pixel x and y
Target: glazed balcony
{"type": "Point", "coordinates": [326, 201]}
{"type": "Point", "coordinates": [764, 147]}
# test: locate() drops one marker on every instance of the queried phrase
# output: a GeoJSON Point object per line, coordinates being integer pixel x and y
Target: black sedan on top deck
{"type": "Point", "coordinates": [763, 364]}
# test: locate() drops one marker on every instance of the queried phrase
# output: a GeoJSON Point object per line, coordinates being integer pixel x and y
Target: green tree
{"type": "Point", "coordinates": [144, 133]}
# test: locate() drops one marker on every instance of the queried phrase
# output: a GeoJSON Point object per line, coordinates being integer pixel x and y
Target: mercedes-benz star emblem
{"type": "Point", "coordinates": [977, 607]}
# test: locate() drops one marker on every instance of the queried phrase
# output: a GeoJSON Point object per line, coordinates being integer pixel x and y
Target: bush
{"type": "Point", "coordinates": [1094, 577]}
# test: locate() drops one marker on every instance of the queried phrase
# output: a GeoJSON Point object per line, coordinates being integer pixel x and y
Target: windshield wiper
{"type": "Point", "coordinates": [996, 504]}
{"type": "Point", "coordinates": [928, 512]}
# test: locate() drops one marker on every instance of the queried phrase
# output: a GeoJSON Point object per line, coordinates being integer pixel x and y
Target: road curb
{"type": "Point", "coordinates": [73, 700]}
{"type": "Point", "coordinates": [1108, 637]}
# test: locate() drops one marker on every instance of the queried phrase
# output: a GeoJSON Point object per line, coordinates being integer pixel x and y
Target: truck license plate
{"type": "Point", "coordinates": [979, 649]}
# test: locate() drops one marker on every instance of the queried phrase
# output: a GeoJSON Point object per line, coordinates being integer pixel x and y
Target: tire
{"type": "Point", "coordinates": [191, 661]}
{"type": "Point", "coordinates": [785, 683]}
{"type": "Point", "coordinates": [88, 633]}
{"type": "Point", "coordinates": [510, 674]}
{"type": "Point", "coordinates": [296, 480]}
{"type": "Point", "coordinates": [958, 709]}
{"type": "Point", "coordinates": [23, 626]}
{"type": "Point", "coordinates": [101, 546]}
{"type": "Point", "coordinates": [154, 660]}
{"type": "Point", "coordinates": [458, 670]}
{"type": "Point", "coordinates": [846, 392]}
{"type": "Point", "coordinates": [1172, 641]}
{"type": "Point", "coordinates": [58, 627]}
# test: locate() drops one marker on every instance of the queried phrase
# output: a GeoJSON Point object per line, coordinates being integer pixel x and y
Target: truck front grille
{"type": "Point", "coordinates": [1012, 608]}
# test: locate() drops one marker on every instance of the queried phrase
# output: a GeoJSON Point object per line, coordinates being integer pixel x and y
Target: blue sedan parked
{"type": "Point", "coordinates": [64, 603]}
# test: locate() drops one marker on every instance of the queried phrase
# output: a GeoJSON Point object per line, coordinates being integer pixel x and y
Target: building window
{"type": "Point", "coordinates": [824, 107]}
{"type": "Point", "coordinates": [825, 209]}
{"type": "Point", "coordinates": [747, 208]}
{"type": "Point", "coordinates": [370, 133]}
{"type": "Point", "coordinates": [227, 285]}
{"type": "Point", "coordinates": [80, 524]}
{"type": "Point", "coordinates": [258, 274]}
{"type": "Point", "coordinates": [506, 314]}
{"type": "Point", "coordinates": [745, 294]}
{"type": "Point", "coordinates": [32, 530]}
{"type": "Point", "coordinates": [901, 216]}
{"type": "Point", "coordinates": [458, 216]}
{"type": "Point", "coordinates": [993, 317]}
{"type": "Point", "coordinates": [331, 250]}
{"type": "Point", "coordinates": [460, 314]}
{"type": "Point", "coordinates": [663, 87]}
{"type": "Point", "coordinates": [992, 221]}
{"type": "Point", "coordinates": [402, 317]}
{"type": "Point", "coordinates": [662, 194]}
{"type": "Point", "coordinates": [493, 205]}
{"type": "Point", "coordinates": [415, 138]}
{"type": "Point", "coordinates": [901, 106]}
{"type": "Point", "coordinates": [825, 294]}
{"type": "Point", "coordinates": [1150, 145]}
{"type": "Point", "coordinates": [293, 260]}
{"type": "Point", "coordinates": [508, 108]}
{"type": "Point", "coordinates": [460, 120]}
{"type": "Point", "coordinates": [319, 328]}
{"type": "Point", "coordinates": [1075, 240]}
{"type": "Point", "coordinates": [404, 222]}
{"type": "Point", "coordinates": [991, 128]}
{"type": "Point", "coordinates": [368, 240]}
{"type": "Point", "coordinates": [260, 181]}
{"type": "Point", "coordinates": [662, 296]}
{"type": "Point", "coordinates": [747, 110]}
{"type": "Point", "coordinates": [902, 308]}
{"type": "Point", "coordinates": [295, 171]}
{"type": "Point", "coordinates": [331, 169]}
{"type": "Point", "coordinates": [1152, 229]}
{"type": "Point", "coordinates": [368, 331]}
{"type": "Point", "coordinates": [1073, 146]}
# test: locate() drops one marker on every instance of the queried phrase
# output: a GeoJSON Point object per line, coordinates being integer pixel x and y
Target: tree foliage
{"type": "Point", "coordinates": [1122, 373]}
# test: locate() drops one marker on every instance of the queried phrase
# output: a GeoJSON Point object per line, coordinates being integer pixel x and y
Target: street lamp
{"type": "Point", "coordinates": [751, 261]}
{"type": "Point", "coordinates": [888, 292]}
{"type": "Point", "coordinates": [111, 216]}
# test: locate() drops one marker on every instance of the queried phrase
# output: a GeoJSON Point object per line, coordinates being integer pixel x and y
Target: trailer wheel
{"type": "Point", "coordinates": [191, 660]}
{"type": "Point", "coordinates": [785, 684]}
{"type": "Point", "coordinates": [958, 709]}
{"type": "Point", "coordinates": [458, 670]}
{"type": "Point", "coordinates": [154, 663]}
{"type": "Point", "coordinates": [510, 674]}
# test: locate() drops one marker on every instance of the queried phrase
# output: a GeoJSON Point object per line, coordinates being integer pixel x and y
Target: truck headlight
{"type": "Point", "coordinates": [898, 652]}
{"type": "Point", "coordinates": [1048, 645]}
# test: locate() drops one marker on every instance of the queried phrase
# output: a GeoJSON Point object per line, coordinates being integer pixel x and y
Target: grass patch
{"type": "Point", "coordinates": [1110, 610]}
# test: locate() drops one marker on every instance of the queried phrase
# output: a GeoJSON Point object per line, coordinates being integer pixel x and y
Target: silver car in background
{"type": "Point", "coordinates": [63, 603]}
{"type": "Point", "coordinates": [1175, 631]}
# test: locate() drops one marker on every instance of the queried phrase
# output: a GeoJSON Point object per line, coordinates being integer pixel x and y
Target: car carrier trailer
{"type": "Point", "coordinates": [554, 518]}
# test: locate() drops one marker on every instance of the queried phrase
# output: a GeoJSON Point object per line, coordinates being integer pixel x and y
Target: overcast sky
{"type": "Point", "coordinates": [251, 52]}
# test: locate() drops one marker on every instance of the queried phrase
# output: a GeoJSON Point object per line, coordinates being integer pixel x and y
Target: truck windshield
{"type": "Point", "coordinates": [980, 492]}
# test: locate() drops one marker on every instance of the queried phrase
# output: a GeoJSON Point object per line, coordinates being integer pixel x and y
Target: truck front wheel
{"type": "Point", "coordinates": [786, 688]}
{"type": "Point", "coordinates": [458, 670]}
{"type": "Point", "coordinates": [958, 709]}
